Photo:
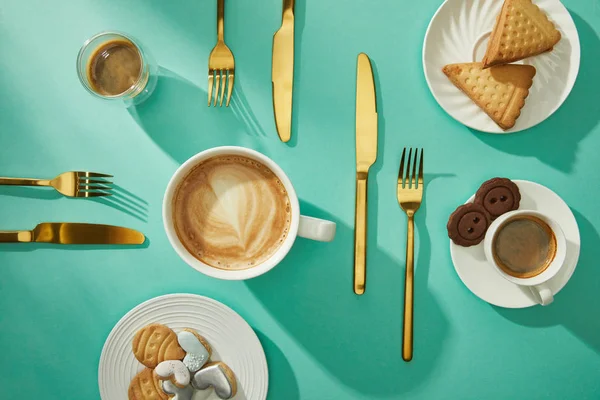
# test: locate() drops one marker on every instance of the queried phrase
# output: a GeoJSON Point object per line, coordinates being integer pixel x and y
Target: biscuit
{"type": "Point", "coordinates": [175, 371]}
{"type": "Point", "coordinates": [468, 225]}
{"type": "Point", "coordinates": [145, 386]}
{"type": "Point", "coordinates": [219, 376]}
{"type": "Point", "coordinates": [197, 348]}
{"type": "Point", "coordinates": [156, 343]}
{"type": "Point", "coordinates": [499, 91]}
{"type": "Point", "coordinates": [498, 196]}
{"type": "Point", "coordinates": [522, 30]}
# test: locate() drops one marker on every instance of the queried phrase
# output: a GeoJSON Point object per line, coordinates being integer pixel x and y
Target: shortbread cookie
{"type": "Point", "coordinates": [522, 30]}
{"type": "Point", "coordinates": [468, 224]}
{"type": "Point", "coordinates": [219, 376]}
{"type": "Point", "coordinates": [498, 196]}
{"type": "Point", "coordinates": [197, 348]}
{"type": "Point", "coordinates": [177, 393]}
{"type": "Point", "coordinates": [175, 371]}
{"type": "Point", "coordinates": [146, 386]}
{"type": "Point", "coordinates": [499, 91]}
{"type": "Point", "coordinates": [156, 343]}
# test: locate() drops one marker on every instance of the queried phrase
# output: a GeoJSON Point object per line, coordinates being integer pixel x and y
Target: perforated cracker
{"type": "Point", "coordinates": [499, 91]}
{"type": "Point", "coordinates": [522, 30]}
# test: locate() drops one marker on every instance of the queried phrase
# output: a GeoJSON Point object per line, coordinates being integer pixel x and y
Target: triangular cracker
{"type": "Point", "coordinates": [522, 30]}
{"type": "Point", "coordinates": [500, 91]}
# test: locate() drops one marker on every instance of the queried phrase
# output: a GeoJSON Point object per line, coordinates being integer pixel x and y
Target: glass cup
{"type": "Point", "coordinates": [144, 85]}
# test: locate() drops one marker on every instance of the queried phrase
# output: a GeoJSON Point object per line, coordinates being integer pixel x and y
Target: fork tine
{"type": "Point", "coordinates": [408, 180]}
{"type": "Point", "coordinates": [223, 84]}
{"type": "Point", "coordinates": [414, 175]}
{"type": "Point", "coordinates": [210, 85]}
{"type": "Point", "coordinates": [93, 175]}
{"type": "Point", "coordinates": [217, 82]}
{"type": "Point", "coordinates": [83, 181]}
{"type": "Point", "coordinates": [401, 170]}
{"type": "Point", "coordinates": [421, 169]}
{"type": "Point", "coordinates": [93, 194]}
{"type": "Point", "coordinates": [230, 87]}
{"type": "Point", "coordinates": [94, 187]}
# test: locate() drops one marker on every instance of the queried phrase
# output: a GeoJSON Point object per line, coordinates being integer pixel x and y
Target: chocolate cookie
{"type": "Point", "coordinates": [468, 224]}
{"type": "Point", "coordinates": [498, 196]}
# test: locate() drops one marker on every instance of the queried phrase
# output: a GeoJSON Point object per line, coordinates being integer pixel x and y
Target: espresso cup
{"type": "Point", "coordinates": [299, 225]}
{"type": "Point", "coordinates": [520, 246]}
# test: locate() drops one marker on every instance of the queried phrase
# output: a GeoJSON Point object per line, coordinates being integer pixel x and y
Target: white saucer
{"type": "Point", "coordinates": [459, 32]}
{"type": "Point", "coordinates": [232, 340]}
{"type": "Point", "coordinates": [486, 283]}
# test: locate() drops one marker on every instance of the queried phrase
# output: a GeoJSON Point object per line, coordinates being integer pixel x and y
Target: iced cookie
{"type": "Point", "coordinates": [175, 371]}
{"type": "Point", "coordinates": [156, 343]}
{"type": "Point", "coordinates": [197, 348]}
{"type": "Point", "coordinates": [219, 376]}
{"type": "Point", "coordinates": [468, 224]}
{"type": "Point", "coordinates": [145, 386]}
{"type": "Point", "coordinates": [498, 196]}
{"type": "Point", "coordinates": [177, 393]}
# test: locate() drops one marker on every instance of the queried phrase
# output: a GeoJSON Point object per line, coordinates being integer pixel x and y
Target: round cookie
{"type": "Point", "coordinates": [146, 386]}
{"type": "Point", "coordinates": [468, 224]}
{"type": "Point", "coordinates": [498, 196]}
{"type": "Point", "coordinates": [156, 343]}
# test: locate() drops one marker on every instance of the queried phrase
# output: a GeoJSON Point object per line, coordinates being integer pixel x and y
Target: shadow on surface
{"type": "Point", "coordinates": [126, 202]}
{"type": "Point", "coordinates": [575, 307]}
{"type": "Point", "coordinates": [353, 337]}
{"type": "Point", "coordinates": [555, 141]}
{"type": "Point", "coordinates": [282, 381]}
{"type": "Point", "coordinates": [23, 247]}
{"type": "Point", "coordinates": [299, 22]}
{"type": "Point", "coordinates": [176, 118]}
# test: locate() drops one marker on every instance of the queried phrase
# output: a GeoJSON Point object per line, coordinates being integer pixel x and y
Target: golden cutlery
{"type": "Point", "coordinates": [221, 64]}
{"type": "Point", "coordinates": [282, 73]}
{"type": "Point", "coordinates": [410, 196]}
{"type": "Point", "coordinates": [74, 233]}
{"type": "Point", "coordinates": [366, 154]}
{"type": "Point", "coordinates": [71, 184]}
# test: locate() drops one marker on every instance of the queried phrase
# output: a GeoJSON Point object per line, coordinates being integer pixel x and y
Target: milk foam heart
{"type": "Point", "coordinates": [231, 212]}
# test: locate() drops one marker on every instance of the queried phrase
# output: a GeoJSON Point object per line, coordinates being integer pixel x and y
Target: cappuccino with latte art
{"type": "Point", "coordinates": [231, 212]}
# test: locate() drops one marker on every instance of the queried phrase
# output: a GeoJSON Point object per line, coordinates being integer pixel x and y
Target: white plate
{"type": "Point", "coordinates": [486, 283]}
{"type": "Point", "coordinates": [458, 33]}
{"type": "Point", "coordinates": [233, 341]}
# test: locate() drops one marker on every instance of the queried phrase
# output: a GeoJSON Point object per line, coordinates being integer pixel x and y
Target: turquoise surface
{"type": "Point", "coordinates": [58, 304]}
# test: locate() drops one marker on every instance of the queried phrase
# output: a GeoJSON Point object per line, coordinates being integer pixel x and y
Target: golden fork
{"type": "Point", "coordinates": [221, 64]}
{"type": "Point", "coordinates": [410, 196]}
{"type": "Point", "coordinates": [71, 184]}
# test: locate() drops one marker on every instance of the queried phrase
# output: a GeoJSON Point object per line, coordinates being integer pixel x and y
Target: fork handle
{"type": "Point", "coordinates": [24, 182]}
{"type": "Point", "coordinates": [220, 20]}
{"type": "Point", "coordinates": [288, 5]}
{"type": "Point", "coordinates": [407, 334]}
{"type": "Point", "coordinates": [360, 235]}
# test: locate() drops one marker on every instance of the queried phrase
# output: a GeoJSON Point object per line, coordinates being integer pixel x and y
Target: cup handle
{"type": "Point", "coordinates": [542, 294]}
{"type": "Point", "coordinates": [316, 229]}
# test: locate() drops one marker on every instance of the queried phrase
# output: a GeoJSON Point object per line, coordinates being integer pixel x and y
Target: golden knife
{"type": "Point", "coordinates": [282, 73]}
{"type": "Point", "coordinates": [366, 154]}
{"type": "Point", "coordinates": [74, 233]}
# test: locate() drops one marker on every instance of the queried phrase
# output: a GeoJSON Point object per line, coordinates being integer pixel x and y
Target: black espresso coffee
{"type": "Point", "coordinates": [114, 67]}
{"type": "Point", "coordinates": [231, 212]}
{"type": "Point", "coordinates": [524, 246]}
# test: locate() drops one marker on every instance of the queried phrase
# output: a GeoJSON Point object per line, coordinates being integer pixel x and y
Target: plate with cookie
{"type": "Point", "coordinates": [469, 223]}
{"type": "Point", "coordinates": [501, 66]}
{"type": "Point", "coordinates": [182, 347]}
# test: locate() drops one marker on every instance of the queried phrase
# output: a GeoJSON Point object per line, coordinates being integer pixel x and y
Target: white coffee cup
{"type": "Point", "coordinates": [300, 225]}
{"type": "Point", "coordinates": [538, 284]}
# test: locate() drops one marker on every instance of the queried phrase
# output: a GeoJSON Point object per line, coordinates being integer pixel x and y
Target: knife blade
{"type": "Point", "coordinates": [74, 233]}
{"type": "Point", "coordinates": [282, 73]}
{"type": "Point", "coordinates": [366, 154]}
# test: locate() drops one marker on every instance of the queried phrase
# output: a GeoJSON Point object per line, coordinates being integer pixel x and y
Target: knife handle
{"type": "Point", "coordinates": [220, 20]}
{"type": "Point", "coordinates": [360, 235]}
{"type": "Point", "coordinates": [24, 182]}
{"type": "Point", "coordinates": [15, 236]}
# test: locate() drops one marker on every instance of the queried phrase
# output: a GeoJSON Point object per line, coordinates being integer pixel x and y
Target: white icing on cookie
{"type": "Point", "coordinates": [175, 369]}
{"type": "Point", "coordinates": [214, 375]}
{"type": "Point", "coordinates": [184, 393]}
{"type": "Point", "coordinates": [197, 355]}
